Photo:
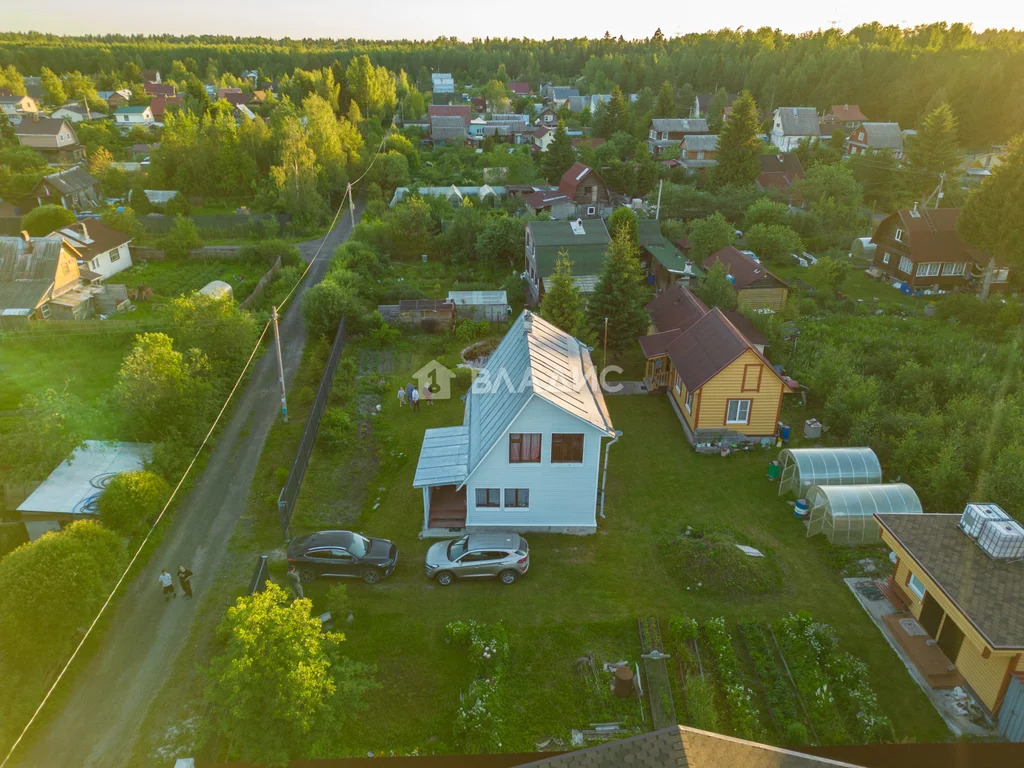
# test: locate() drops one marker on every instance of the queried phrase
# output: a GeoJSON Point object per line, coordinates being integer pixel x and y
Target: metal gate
{"type": "Point", "coordinates": [1011, 714]}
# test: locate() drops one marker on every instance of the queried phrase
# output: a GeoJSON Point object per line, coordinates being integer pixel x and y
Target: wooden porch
{"type": "Point", "coordinates": [658, 373]}
{"type": "Point", "coordinates": [447, 507]}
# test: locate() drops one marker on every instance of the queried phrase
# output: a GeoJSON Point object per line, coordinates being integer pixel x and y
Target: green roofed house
{"type": "Point", "coordinates": [665, 263]}
{"type": "Point", "coordinates": [584, 241]}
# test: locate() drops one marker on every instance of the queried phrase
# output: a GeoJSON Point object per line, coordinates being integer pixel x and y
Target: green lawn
{"type": "Point", "coordinates": [582, 594]}
{"type": "Point", "coordinates": [173, 277]}
{"type": "Point", "coordinates": [859, 286]}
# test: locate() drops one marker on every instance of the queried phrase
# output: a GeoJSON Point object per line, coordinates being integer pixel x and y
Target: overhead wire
{"type": "Point", "coordinates": [188, 469]}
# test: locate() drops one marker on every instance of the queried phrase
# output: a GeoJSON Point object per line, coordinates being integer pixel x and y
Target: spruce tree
{"type": "Point", "coordinates": [616, 117]}
{"type": "Point", "coordinates": [934, 150]}
{"type": "Point", "coordinates": [665, 106]}
{"type": "Point", "coordinates": [739, 145]}
{"type": "Point", "coordinates": [620, 295]}
{"type": "Point", "coordinates": [560, 155]}
{"type": "Point", "coordinates": [562, 304]}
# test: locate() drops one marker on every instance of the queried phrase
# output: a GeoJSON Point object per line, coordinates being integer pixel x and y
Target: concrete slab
{"type": "Point", "coordinates": [950, 704]}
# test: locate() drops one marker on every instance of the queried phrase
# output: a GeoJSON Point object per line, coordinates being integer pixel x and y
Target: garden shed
{"type": "Point", "coordinates": [481, 305]}
{"type": "Point", "coordinates": [845, 513]}
{"type": "Point", "coordinates": [804, 467]}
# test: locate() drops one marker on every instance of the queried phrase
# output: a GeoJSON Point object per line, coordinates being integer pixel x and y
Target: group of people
{"type": "Point", "coordinates": [410, 393]}
{"type": "Point", "coordinates": [167, 582]}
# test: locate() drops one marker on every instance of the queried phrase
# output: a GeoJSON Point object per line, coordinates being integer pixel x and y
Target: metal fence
{"type": "Point", "coordinates": [290, 492]}
{"type": "Point", "coordinates": [258, 582]}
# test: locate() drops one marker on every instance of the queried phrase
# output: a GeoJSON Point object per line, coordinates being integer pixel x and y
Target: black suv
{"type": "Point", "coordinates": [343, 554]}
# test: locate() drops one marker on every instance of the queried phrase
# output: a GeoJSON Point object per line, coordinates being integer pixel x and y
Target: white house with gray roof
{"type": "Point", "coordinates": [791, 125]}
{"type": "Point", "coordinates": [527, 456]}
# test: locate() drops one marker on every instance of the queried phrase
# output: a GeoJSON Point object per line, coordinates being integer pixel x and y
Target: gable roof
{"type": "Point", "coordinates": [535, 359]}
{"type": "Point", "coordinates": [158, 105]}
{"type": "Point", "coordinates": [43, 126]}
{"type": "Point", "coordinates": [677, 307]}
{"type": "Point", "coordinates": [664, 252]}
{"type": "Point", "coordinates": [704, 100]}
{"type": "Point", "coordinates": [451, 110]}
{"type": "Point", "coordinates": [573, 177]}
{"type": "Point", "coordinates": [447, 127]}
{"type": "Point", "coordinates": [847, 113]}
{"type": "Point", "coordinates": [931, 235]}
{"type": "Point", "coordinates": [72, 180]}
{"type": "Point", "coordinates": [679, 125]}
{"type": "Point", "coordinates": [563, 92]}
{"type": "Point", "coordinates": [680, 747]}
{"type": "Point", "coordinates": [27, 272]}
{"type": "Point", "coordinates": [159, 89]}
{"type": "Point", "coordinates": [987, 592]}
{"type": "Point", "coordinates": [586, 250]}
{"type": "Point", "coordinates": [519, 87]}
{"type": "Point", "coordinates": [744, 270]}
{"type": "Point", "coordinates": [787, 163]}
{"type": "Point", "coordinates": [701, 143]}
{"type": "Point", "coordinates": [91, 238]}
{"type": "Point", "coordinates": [704, 349]}
{"type": "Point", "coordinates": [882, 136]}
{"type": "Point", "coordinates": [799, 121]}
{"type": "Point", "coordinates": [131, 110]}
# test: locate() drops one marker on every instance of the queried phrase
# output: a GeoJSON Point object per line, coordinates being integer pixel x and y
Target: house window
{"type": "Point", "coordinates": [654, 135]}
{"type": "Point", "coordinates": [688, 405]}
{"type": "Point", "coordinates": [523, 448]}
{"type": "Point", "coordinates": [678, 385]}
{"type": "Point", "coordinates": [885, 258]}
{"type": "Point", "coordinates": [899, 235]}
{"type": "Point", "coordinates": [955, 268]}
{"type": "Point", "coordinates": [928, 269]}
{"type": "Point", "coordinates": [591, 210]}
{"type": "Point", "coordinates": [906, 265]}
{"type": "Point", "coordinates": [738, 412]}
{"type": "Point", "coordinates": [916, 586]}
{"type": "Point", "coordinates": [566, 449]}
{"type": "Point", "coordinates": [488, 497]}
{"type": "Point", "coordinates": [115, 255]}
{"type": "Point", "coordinates": [517, 498]}
{"type": "Point", "coordinates": [700, 155]}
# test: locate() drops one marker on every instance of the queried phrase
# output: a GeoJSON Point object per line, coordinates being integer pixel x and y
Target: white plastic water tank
{"type": "Point", "coordinates": [976, 514]}
{"type": "Point", "coordinates": [1002, 539]}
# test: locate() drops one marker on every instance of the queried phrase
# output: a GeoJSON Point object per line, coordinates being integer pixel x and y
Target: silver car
{"type": "Point", "coordinates": [479, 556]}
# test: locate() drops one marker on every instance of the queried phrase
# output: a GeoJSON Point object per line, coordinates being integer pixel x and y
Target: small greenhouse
{"type": "Point", "coordinates": [845, 513]}
{"type": "Point", "coordinates": [804, 467]}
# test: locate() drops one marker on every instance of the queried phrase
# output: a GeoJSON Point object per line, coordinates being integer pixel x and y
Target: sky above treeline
{"type": "Point", "coordinates": [423, 19]}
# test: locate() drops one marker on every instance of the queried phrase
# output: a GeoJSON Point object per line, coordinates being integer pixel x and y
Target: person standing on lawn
{"type": "Point", "coordinates": [294, 582]}
{"type": "Point", "coordinates": [185, 579]}
{"type": "Point", "coordinates": [168, 584]}
{"type": "Point", "coordinates": [401, 396]}
{"type": "Point", "coordinates": [428, 395]}
{"type": "Point", "coordinates": [409, 389]}
{"type": "Point", "coordinates": [415, 399]}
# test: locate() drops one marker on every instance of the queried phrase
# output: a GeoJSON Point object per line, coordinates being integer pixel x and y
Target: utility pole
{"type": "Point", "coordinates": [280, 369]}
{"type": "Point", "coordinates": [351, 206]}
{"type": "Point", "coordinates": [657, 210]}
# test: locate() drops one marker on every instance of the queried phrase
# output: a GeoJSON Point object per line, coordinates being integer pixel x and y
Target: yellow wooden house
{"type": "Point", "coordinates": [756, 287]}
{"type": "Point", "coordinates": [720, 383]}
{"type": "Point", "coordinates": [969, 603]}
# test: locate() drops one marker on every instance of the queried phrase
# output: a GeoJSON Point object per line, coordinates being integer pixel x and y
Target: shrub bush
{"type": "Point", "coordinates": [268, 251]}
{"type": "Point", "coordinates": [335, 427]}
{"type": "Point", "coordinates": [132, 500]}
{"type": "Point", "coordinates": [709, 561]}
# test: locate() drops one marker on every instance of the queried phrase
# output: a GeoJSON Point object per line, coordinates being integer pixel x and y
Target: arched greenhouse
{"type": "Point", "coordinates": [845, 513]}
{"type": "Point", "coordinates": [804, 467]}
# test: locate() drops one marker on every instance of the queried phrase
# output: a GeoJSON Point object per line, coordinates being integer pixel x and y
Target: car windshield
{"type": "Point", "coordinates": [457, 547]}
{"type": "Point", "coordinates": [359, 545]}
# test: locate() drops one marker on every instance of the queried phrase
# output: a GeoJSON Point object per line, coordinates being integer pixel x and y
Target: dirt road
{"type": "Point", "coordinates": [100, 719]}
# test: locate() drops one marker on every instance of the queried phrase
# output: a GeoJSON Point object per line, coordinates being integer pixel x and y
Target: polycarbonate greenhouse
{"type": "Point", "coordinates": [845, 513]}
{"type": "Point", "coordinates": [804, 467]}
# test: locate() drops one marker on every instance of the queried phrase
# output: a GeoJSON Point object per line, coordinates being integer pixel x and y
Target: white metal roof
{"type": "Point", "coordinates": [83, 475]}
{"type": "Point", "coordinates": [474, 298]}
{"type": "Point", "coordinates": [444, 457]}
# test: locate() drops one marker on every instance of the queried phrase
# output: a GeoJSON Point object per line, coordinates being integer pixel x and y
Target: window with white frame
{"type": "Point", "coordinates": [115, 254]}
{"type": "Point", "coordinates": [885, 258]}
{"type": "Point", "coordinates": [955, 268]}
{"type": "Point", "coordinates": [916, 586]}
{"type": "Point", "coordinates": [928, 269]}
{"type": "Point", "coordinates": [700, 155]}
{"type": "Point", "coordinates": [899, 234]}
{"type": "Point", "coordinates": [738, 412]}
{"type": "Point", "coordinates": [678, 385]}
{"type": "Point", "coordinates": [688, 405]}
{"type": "Point", "coordinates": [906, 265]}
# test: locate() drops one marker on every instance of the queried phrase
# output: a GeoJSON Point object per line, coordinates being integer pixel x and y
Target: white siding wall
{"type": "Point", "coordinates": [105, 267]}
{"type": "Point", "coordinates": [562, 496]}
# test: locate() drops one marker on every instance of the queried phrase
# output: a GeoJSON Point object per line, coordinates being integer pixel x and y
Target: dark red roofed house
{"type": "Point", "coordinates": [921, 248]}
{"type": "Point", "coordinates": [756, 287]}
{"type": "Point", "coordinates": [519, 87]}
{"type": "Point", "coordinates": [719, 381]}
{"type": "Point", "coordinates": [581, 194]}
{"type": "Point", "coordinates": [779, 170]}
{"type": "Point", "coordinates": [159, 89]}
{"type": "Point", "coordinates": [159, 105]}
{"type": "Point", "coordinates": [150, 75]}
{"type": "Point", "coordinates": [479, 104]}
{"type": "Point", "coordinates": [233, 97]}
{"type": "Point", "coordinates": [842, 117]}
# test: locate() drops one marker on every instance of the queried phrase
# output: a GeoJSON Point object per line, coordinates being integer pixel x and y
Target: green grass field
{"type": "Point", "coordinates": [582, 594]}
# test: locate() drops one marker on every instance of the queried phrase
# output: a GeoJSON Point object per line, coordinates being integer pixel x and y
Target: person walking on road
{"type": "Point", "coordinates": [294, 582]}
{"type": "Point", "coordinates": [401, 396]}
{"type": "Point", "coordinates": [415, 399]}
{"type": "Point", "coordinates": [185, 579]}
{"type": "Point", "coordinates": [168, 584]}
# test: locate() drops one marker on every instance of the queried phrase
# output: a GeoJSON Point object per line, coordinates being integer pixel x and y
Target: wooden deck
{"type": "Point", "coordinates": [447, 507]}
{"type": "Point", "coordinates": [930, 661]}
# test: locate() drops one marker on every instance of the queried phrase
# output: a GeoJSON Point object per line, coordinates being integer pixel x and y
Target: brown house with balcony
{"type": "Point", "coordinates": [53, 137]}
{"type": "Point", "coordinates": [40, 279]}
{"type": "Point", "coordinates": [668, 133]}
{"type": "Point", "coordinates": [920, 247]}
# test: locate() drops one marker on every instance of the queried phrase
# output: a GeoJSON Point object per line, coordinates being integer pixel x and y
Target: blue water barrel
{"type": "Point", "coordinates": [784, 431]}
{"type": "Point", "coordinates": [801, 508]}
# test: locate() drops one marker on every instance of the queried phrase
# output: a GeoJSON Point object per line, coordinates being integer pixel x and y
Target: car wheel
{"type": "Point", "coordinates": [307, 574]}
{"type": "Point", "coordinates": [508, 577]}
{"type": "Point", "coordinates": [444, 578]}
{"type": "Point", "coordinates": [370, 575]}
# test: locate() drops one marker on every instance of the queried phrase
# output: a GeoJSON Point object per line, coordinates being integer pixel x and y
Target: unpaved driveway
{"type": "Point", "coordinates": [99, 720]}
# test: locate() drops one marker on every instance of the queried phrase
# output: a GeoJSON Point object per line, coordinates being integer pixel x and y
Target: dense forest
{"type": "Point", "coordinates": [892, 73]}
